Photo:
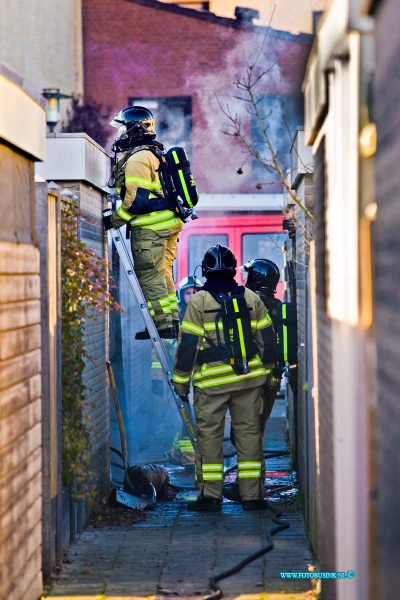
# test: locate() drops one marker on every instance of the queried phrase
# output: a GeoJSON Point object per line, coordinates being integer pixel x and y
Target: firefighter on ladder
{"type": "Point", "coordinates": [154, 228]}
{"type": "Point", "coordinates": [217, 386]}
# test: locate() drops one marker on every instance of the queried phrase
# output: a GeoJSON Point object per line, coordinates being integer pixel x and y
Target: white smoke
{"type": "Point", "coordinates": [218, 156]}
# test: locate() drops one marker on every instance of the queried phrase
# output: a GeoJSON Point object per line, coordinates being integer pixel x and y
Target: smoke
{"type": "Point", "coordinates": [218, 156]}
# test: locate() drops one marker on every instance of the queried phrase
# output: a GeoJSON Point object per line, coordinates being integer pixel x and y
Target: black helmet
{"type": "Point", "coordinates": [262, 274]}
{"type": "Point", "coordinates": [135, 124]}
{"type": "Point", "coordinates": [184, 284]}
{"type": "Point", "coordinates": [218, 258]}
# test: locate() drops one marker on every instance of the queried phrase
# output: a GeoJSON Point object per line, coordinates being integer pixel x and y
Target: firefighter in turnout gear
{"type": "Point", "coordinates": [262, 278]}
{"type": "Point", "coordinates": [154, 228]}
{"type": "Point", "coordinates": [227, 343]}
{"type": "Point", "coordinates": [187, 287]}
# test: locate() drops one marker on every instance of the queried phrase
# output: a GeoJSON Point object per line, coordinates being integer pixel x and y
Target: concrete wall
{"type": "Point", "coordinates": [20, 355]}
{"type": "Point", "coordinates": [42, 42]}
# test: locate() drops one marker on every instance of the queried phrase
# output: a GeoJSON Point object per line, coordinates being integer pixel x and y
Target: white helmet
{"type": "Point", "coordinates": [185, 283]}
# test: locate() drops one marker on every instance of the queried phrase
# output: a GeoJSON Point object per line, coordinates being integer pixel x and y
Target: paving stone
{"type": "Point", "coordinates": [173, 552]}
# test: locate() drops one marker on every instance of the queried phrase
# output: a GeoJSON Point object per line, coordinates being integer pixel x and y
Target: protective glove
{"type": "Point", "coordinates": [275, 379]}
{"type": "Point", "coordinates": [157, 387]}
{"type": "Point", "coordinates": [107, 220]}
{"type": "Point", "coordinates": [181, 389]}
{"type": "Point", "coordinates": [274, 375]}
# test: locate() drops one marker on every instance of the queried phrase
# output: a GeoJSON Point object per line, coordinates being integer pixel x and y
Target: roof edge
{"type": "Point", "coordinates": [191, 13]}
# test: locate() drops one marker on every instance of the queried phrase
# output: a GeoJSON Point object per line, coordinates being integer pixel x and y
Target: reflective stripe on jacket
{"type": "Point", "coordinates": [213, 376]}
{"type": "Point", "coordinates": [142, 184]}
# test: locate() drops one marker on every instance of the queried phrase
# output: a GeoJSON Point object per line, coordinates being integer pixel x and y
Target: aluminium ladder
{"type": "Point", "coordinates": [182, 402]}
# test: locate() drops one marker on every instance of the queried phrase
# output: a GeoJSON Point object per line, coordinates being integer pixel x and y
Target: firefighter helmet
{"type": "Point", "coordinates": [218, 258]}
{"type": "Point", "coordinates": [262, 274]}
{"type": "Point", "coordinates": [135, 124]}
{"type": "Point", "coordinates": [187, 282]}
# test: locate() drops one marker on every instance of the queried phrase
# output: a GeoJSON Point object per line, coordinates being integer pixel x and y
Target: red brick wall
{"type": "Point", "coordinates": [137, 48]}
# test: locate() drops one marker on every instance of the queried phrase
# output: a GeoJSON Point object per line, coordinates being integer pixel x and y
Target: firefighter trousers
{"type": "Point", "coordinates": [153, 253]}
{"type": "Point", "coordinates": [245, 407]}
{"type": "Point", "coordinates": [269, 399]}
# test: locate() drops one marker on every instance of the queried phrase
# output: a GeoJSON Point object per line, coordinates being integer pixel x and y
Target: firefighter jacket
{"type": "Point", "coordinates": [218, 377]}
{"type": "Point", "coordinates": [139, 186]}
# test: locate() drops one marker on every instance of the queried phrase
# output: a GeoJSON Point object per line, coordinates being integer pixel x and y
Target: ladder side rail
{"type": "Point", "coordinates": [127, 264]}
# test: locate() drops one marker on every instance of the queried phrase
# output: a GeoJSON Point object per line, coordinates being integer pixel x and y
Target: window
{"type": "Point", "coordinates": [264, 245]}
{"type": "Point", "coordinates": [282, 114]}
{"type": "Point", "coordinates": [198, 246]}
{"type": "Point", "coordinates": [173, 116]}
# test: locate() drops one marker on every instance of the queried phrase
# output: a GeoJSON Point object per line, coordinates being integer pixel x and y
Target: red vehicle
{"type": "Point", "coordinates": [249, 233]}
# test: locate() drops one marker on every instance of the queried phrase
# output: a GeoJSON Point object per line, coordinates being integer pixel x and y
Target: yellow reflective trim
{"type": "Point", "coordinates": [263, 322]}
{"type": "Point", "coordinates": [151, 309]}
{"type": "Point", "coordinates": [285, 338]}
{"type": "Point", "coordinates": [153, 217]}
{"type": "Point", "coordinates": [164, 301]}
{"type": "Point", "coordinates": [206, 371]}
{"type": "Point", "coordinates": [163, 225]}
{"type": "Point", "coordinates": [192, 328]}
{"type": "Point", "coordinates": [179, 379]}
{"type": "Point", "coordinates": [230, 379]}
{"type": "Point", "coordinates": [240, 330]}
{"type": "Point", "coordinates": [246, 465]}
{"type": "Point", "coordinates": [250, 475]}
{"type": "Point", "coordinates": [124, 215]}
{"type": "Point", "coordinates": [155, 365]}
{"type": "Point", "coordinates": [211, 326]}
{"type": "Point", "coordinates": [212, 477]}
{"type": "Point", "coordinates": [182, 180]}
{"type": "Point", "coordinates": [212, 467]}
{"type": "Point", "coordinates": [145, 182]}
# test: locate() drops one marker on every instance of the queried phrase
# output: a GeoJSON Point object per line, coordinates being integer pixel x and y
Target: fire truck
{"type": "Point", "coordinates": [250, 225]}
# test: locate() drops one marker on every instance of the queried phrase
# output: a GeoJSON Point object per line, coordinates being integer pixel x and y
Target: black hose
{"type": "Point", "coordinates": [217, 591]}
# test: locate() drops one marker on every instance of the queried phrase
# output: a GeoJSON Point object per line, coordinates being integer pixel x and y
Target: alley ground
{"type": "Point", "coordinates": [169, 552]}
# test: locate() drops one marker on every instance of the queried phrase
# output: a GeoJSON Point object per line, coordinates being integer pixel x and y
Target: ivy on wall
{"type": "Point", "coordinates": [85, 293]}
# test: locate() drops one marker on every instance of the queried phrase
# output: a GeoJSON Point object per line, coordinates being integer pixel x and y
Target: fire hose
{"type": "Point", "coordinates": [281, 525]}
{"type": "Point", "coordinates": [213, 581]}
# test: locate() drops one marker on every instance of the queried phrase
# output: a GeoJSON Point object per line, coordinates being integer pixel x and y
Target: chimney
{"type": "Point", "coordinates": [246, 15]}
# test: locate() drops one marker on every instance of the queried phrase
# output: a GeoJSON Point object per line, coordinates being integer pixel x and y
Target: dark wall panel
{"type": "Point", "coordinates": [386, 240]}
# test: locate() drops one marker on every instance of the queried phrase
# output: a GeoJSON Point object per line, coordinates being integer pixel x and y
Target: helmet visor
{"type": "Point", "coordinates": [117, 121]}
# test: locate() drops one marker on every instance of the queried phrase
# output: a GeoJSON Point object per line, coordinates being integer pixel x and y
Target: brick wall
{"type": "Point", "coordinates": [91, 203]}
{"type": "Point", "coordinates": [326, 545]}
{"type": "Point", "coordinates": [305, 191]}
{"type": "Point", "coordinates": [20, 388]}
{"type": "Point", "coordinates": [144, 48]}
{"type": "Point", "coordinates": [387, 275]}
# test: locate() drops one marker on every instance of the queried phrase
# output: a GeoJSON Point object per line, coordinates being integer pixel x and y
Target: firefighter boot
{"type": "Point", "coordinates": [255, 505]}
{"type": "Point", "coordinates": [205, 504]}
{"type": "Point", "coordinates": [168, 333]}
